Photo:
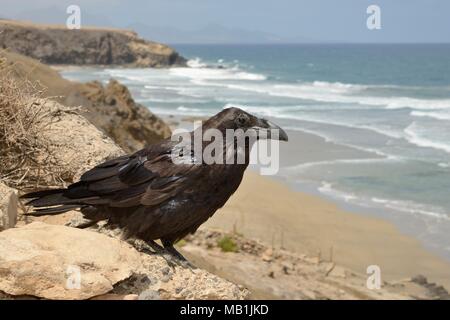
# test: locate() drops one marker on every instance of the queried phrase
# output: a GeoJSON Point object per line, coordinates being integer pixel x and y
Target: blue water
{"type": "Point", "coordinates": [392, 101]}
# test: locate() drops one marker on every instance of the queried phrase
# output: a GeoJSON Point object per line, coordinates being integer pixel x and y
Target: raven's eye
{"type": "Point", "coordinates": [241, 119]}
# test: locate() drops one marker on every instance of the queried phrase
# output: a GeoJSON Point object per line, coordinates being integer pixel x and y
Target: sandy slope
{"type": "Point", "coordinates": [279, 274]}
{"type": "Point", "coordinates": [268, 210]}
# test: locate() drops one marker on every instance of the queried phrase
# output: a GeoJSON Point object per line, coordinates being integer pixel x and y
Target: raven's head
{"type": "Point", "coordinates": [235, 118]}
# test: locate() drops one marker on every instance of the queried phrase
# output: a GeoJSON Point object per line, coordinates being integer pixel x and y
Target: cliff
{"type": "Point", "coordinates": [110, 108]}
{"type": "Point", "coordinates": [54, 44]}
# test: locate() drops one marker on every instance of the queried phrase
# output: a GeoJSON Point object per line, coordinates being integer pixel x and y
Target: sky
{"type": "Point", "coordinates": [238, 21]}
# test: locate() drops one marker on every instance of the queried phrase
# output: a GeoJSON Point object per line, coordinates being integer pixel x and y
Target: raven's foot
{"type": "Point", "coordinates": [172, 256]}
{"type": "Point", "coordinates": [182, 261]}
{"type": "Point", "coordinates": [148, 247]}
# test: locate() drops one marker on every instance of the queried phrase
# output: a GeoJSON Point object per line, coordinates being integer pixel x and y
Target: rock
{"type": "Point", "coordinates": [57, 262]}
{"type": "Point", "coordinates": [76, 220]}
{"type": "Point", "coordinates": [157, 280]}
{"type": "Point", "coordinates": [149, 295]}
{"type": "Point", "coordinates": [44, 261]}
{"type": "Point", "coordinates": [111, 296]}
{"type": "Point", "coordinates": [113, 110]}
{"type": "Point", "coordinates": [74, 143]}
{"type": "Point", "coordinates": [420, 279]}
{"type": "Point", "coordinates": [433, 290]}
{"type": "Point", "coordinates": [200, 285]}
{"type": "Point", "coordinates": [267, 255]}
{"type": "Point", "coordinates": [88, 46]}
{"type": "Point", "coordinates": [8, 207]}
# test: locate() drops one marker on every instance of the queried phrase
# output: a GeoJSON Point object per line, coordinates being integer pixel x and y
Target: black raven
{"type": "Point", "coordinates": [149, 195]}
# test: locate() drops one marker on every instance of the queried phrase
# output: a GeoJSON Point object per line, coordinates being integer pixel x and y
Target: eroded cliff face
{"type": "Point", "coordinates": [111, 108]}
{"type": "Point", "coordinates": [88, 46]}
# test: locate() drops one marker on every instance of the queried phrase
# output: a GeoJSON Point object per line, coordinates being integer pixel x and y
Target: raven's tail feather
{"type": "Point", "coordinates": [54, 199]}
{"type": "Point", "coordinates": [53, 211]}
{"type": "Point", "coordinates": [40, 194]}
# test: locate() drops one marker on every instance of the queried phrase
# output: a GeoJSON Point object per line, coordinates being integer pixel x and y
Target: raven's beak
{"type": "Point", "coordinates": [271, 130]}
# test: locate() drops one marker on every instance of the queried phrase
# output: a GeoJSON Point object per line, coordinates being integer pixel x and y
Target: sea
{"type": "Point", "coordinates": [391, 102]}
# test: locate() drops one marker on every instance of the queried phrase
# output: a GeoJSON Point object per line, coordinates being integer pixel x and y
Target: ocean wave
{"type": "Point", "coordinates": [302, 167]}
{"type": "Point", "coordinates": [181, 111]}
{"type": "Point", "coordinates": [190, 110]}
{"type": "Point", "coordinates": [412, 207]}
{"type": "Point", "coordinates": [403, 206]}
{"type": "Point", "coordinates": [151, 99]}
{"type": "Point", "coordinates": [286, 113]}
{"type": "Point", "coordinates": [336, 93]}
{"type": "Point", "coordinates": [326, 188]}
{"type": "Point", "coordinates": [196, 63]}
{"type": "Point", "coordinates": [338, 86]}
{"type": "Point", "coordinates": [444, 115]}
{"type": "Point", "coordinates": [199, 70]}
{"type": "Point", "coordinates": [215, 74]}
{"type": "Point", "coordinates": [444, 164]}
{"type": "Point", "coordinates": [413, 135]}
{"type": "Point", "coordinates": [201, 74]}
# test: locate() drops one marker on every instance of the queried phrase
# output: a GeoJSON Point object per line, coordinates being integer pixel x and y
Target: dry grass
{"type": "Point", "coordinates": [25, 160]}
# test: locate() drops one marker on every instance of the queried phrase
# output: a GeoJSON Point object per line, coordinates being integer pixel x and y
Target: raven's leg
{"type": "Point", "coordinates": [168, 246]}
{"type": "Point", "coordinates": [151, 247]}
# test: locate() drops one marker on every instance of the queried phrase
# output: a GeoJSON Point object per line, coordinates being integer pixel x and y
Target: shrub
{"type": "Point", "coordinates": [24, 158]}
{"type": "Point", "coordinates": [226, 244]}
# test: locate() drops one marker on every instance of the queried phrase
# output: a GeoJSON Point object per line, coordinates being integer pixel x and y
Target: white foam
{"type": "Point", "coordinates": [409, 207]}
{"type": "Point", "coordinates": [326, 188]}
{"type": "Point", "coordinates": [189, 110]}
{"type": "Point", "coordinates": [338, 86]}
{"type": "Point", "coordinates": [199, 74]}
{"type": "Point", "coordinates": [302, 167]}
{"type": "Point", "coordinates": [413, 135]}
{"type": "Point", "coordinates": [287, 113]}
{"type": "Point", "coordinates": [337, 93]}
{"type": "Point", "coordinates": [412, 207]}
{"type": "Point", "coordinates": [444, 115]}
{"type": "Point", "coordinates": [196, 63]}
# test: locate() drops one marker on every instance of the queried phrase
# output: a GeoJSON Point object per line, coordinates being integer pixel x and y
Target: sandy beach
{"type": "Point", "coordinates": [309, 224]}
{"type": "Point", "coordinates": [300, 219]}
{"type": "Point", "coordinates": [267, 209]}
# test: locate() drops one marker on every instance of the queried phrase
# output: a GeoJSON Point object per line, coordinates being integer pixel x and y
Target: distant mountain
{"type": "Point", "coordinates": [209, 34]}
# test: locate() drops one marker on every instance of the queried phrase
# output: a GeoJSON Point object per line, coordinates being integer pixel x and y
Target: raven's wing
{"type": "Point", "coordinates": [148, 177]}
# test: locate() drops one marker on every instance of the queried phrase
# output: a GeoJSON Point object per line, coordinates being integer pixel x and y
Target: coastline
{"type": "Point", "coordinates": [362, 181]}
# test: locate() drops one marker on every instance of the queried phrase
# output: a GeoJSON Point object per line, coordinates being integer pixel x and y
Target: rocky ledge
{"type": "Point", "coordinates": [111, 108]}
{"type": "Point", "coordinates": [53, 44]}
{"type": "Point", "coordinates": [56, 262]}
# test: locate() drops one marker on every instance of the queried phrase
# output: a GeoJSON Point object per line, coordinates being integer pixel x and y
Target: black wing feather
{"type": "Point", "coordinates": [148, 177]}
